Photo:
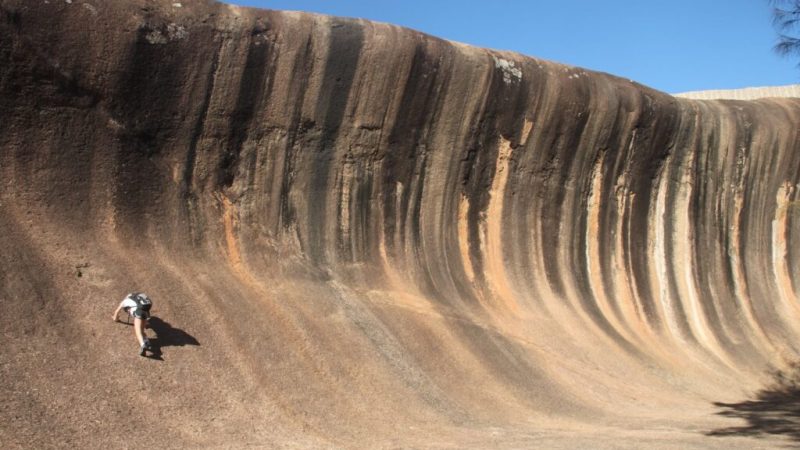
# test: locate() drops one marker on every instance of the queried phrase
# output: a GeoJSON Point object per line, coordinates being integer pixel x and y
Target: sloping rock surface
{"type": "Point", "coordinates": [357, 235]}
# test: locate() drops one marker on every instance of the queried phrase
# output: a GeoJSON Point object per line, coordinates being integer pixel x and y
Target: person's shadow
{"type": "Point", "coordinates": [167, 336]}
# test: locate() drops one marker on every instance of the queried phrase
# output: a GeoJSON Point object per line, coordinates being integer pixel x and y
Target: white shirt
{"type": "Point", "coordinates": [129, 302]}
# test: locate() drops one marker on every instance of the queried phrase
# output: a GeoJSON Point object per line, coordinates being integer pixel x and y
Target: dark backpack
{"type": "Point", "coordinates": [143, 302]}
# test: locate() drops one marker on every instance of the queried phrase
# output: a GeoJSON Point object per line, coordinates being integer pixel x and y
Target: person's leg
{"type": "Point", "coordinates": [138, 328]}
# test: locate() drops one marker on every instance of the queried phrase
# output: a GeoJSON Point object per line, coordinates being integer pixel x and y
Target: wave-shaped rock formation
{"type": "Point", "coordinates": [357, 235]}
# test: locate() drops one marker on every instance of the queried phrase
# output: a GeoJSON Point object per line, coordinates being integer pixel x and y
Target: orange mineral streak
{"type": "Point", "coordinates": [788, 300]}
{"type": "Point", "coordinates": [492, 234]}
{"type": "Point", "coordinates": [463, 238]}
{"type": "Point", "coordinates": [593, 258]}
{"type": "Point", "coordinates": [232, 246]}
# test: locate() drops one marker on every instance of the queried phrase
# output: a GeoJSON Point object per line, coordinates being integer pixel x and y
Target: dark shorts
{"type": "Point", "coordinates": [138, 313]}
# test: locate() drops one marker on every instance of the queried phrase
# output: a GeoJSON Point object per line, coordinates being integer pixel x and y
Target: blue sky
{"type": "Point", "coordinates": [671, 45]}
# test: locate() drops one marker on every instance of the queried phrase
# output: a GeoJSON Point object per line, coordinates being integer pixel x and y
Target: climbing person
{"type": "Point", "coordinates": [138, 305]}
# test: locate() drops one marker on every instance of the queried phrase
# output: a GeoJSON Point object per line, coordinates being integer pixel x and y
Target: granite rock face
{"type": "Point", "coordinates": [376, 237]}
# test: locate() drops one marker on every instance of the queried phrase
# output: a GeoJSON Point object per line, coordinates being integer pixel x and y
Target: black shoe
{"type": "Point", "coordinates": [143, 349]}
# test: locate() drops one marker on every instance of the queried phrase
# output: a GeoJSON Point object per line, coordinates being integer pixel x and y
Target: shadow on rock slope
{"type": "Point", "coordinates": [774, 410]}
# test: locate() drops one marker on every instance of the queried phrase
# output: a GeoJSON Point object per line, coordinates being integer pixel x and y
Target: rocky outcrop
{"type": "Point", "coordinates": [377, 237]}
